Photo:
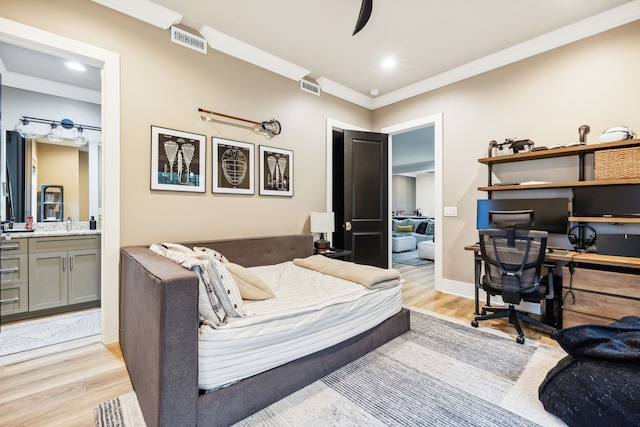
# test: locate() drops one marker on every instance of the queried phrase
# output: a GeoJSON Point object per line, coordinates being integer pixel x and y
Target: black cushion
{"type": "Point", "coordinates": [422, 228]}
{"type": "Point", "coordinates": [598, 383]}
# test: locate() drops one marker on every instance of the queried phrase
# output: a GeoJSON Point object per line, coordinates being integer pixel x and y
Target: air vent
{"type": "Point", "coordinates": [185, 38]}
{"type": "Point", "coordinates": [310, 87]}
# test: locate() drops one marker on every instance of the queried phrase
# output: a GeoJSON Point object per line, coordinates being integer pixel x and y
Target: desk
{"type": "Point", "coordinates": [604, 287]}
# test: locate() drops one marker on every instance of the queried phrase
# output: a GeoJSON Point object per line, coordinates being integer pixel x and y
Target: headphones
{"type": "Point", "coordinates": [582, 241]}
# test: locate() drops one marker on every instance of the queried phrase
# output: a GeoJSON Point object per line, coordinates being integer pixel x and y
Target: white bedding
{"type": "Point", "coordinates": [311, 311]}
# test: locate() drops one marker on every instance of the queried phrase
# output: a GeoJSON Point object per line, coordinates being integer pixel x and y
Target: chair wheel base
{"type": "Point", "coordinates": [520, 340]}
{"type": "Point", "coordinates": [474, 323]}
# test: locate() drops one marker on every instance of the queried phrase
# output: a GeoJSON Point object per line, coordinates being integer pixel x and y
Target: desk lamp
{"type": "Point", "coordinates": [322, 222]}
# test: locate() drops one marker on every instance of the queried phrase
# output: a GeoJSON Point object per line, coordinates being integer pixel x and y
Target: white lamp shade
{"type": "Point", "coordinates": [322, 222]}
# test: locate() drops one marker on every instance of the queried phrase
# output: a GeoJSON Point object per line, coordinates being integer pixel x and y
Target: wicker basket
{"type": "Point", "coordinates": [621, 163]}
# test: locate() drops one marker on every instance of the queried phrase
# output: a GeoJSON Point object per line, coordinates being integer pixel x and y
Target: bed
{"type": "Point", "coordinates": [164, 346]}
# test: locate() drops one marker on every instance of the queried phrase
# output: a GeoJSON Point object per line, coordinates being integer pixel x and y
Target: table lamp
{"type": "Point", "coordinates": [322, 222]}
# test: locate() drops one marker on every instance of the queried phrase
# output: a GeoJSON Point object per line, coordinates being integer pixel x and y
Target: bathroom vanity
{"type": "Point", "coordinates": [49, 270]}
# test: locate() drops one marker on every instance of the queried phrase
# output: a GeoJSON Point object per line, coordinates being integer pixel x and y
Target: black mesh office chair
{"type": "Point", "coordinates": [513, 259]}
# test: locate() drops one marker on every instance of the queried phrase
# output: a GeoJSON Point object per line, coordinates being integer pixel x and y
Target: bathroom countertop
{"type": "Point", "coordinates": [47, 229]}
{"type": "Point", "coordinates": [51, 233]}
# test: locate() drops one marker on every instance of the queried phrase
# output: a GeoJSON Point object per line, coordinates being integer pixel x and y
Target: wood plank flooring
{"type": "Point", "coordinates": [62, 389]}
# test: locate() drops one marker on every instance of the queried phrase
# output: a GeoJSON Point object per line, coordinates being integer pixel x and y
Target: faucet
{"type": "Point", "coordinates": [69, 224]}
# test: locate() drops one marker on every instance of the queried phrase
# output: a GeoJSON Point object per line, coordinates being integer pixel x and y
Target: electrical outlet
{"type": "Point", "coordinates": [450, 211]}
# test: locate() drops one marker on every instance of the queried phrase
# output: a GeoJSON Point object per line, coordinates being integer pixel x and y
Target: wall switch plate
{"type": "Point", "coordinates": [450, 211]}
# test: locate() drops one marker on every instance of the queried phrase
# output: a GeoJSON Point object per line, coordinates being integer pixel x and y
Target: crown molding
{"type": "Point", "coordinates": [241, 50]}
{"type": "Point", "coordinates": [610, 19]}
{"type": "Point", "coordinates": [343, 92]}
{"type": "Point", "coordinates": [144, 10]}
{"type": "Point", "coordinates": [162, 17]}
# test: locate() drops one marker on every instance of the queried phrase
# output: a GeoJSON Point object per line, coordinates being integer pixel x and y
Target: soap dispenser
{"type": "Point", "coordinates": [92, 223]}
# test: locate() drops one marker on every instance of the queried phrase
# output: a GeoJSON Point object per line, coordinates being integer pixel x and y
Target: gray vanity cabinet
{"type": "Point", "coordinates": [63, 271]}
{"type": "Point", "coordinates": [14, 276]}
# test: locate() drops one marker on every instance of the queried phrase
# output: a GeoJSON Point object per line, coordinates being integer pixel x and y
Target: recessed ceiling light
{"type": "Point", "coordinates": [389, 63]}
{"type": "Point", "coordinates": [374, 92]}
{"type": "Point", "coordinates": [75, 66]}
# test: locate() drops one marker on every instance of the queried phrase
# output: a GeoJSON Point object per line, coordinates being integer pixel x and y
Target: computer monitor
{"type": "Point", "coordinates": [550, 215]}
{"type": "Point", "coordinates": [607, 201]}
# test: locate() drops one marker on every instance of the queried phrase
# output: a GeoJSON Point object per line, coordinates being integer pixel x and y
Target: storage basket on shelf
{"type": "Point", "coordinates": [621, 163]}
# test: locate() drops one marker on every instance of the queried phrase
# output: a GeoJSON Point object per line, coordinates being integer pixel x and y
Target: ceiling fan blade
{"type": "Point", "coordinates": [365, 14]}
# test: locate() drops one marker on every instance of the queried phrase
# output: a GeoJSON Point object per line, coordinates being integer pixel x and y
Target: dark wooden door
{"type": "Point", "coordinates": [360, 195]}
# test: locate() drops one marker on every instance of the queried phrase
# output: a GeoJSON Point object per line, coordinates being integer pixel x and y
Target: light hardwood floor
{"type": "Point", "coordinates": [62, 389]}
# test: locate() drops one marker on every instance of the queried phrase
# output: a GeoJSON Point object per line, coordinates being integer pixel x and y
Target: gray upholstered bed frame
{"type": "Point", "coordinates": [159, 334]}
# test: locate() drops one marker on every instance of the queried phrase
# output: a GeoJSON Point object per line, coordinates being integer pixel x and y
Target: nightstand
{"type": "Point", "coordinates": [339, 254]}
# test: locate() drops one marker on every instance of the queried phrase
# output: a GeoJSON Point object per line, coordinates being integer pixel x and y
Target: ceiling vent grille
{"type": "Point", "coordinates": [310, 87]}
{"type": "Point", "coordinates": [185, 38]}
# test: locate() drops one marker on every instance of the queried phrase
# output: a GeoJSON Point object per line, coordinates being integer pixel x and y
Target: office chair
{"type": "Point", "coordinates": [513, 259]}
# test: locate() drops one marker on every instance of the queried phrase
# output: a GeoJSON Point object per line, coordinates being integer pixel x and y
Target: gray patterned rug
{"type": "Point", "coordinates": [408, 257]}
{"type": "Point", "coordinates": [440, 373]}
{"type": "Point", "coordinates": [48, 331]}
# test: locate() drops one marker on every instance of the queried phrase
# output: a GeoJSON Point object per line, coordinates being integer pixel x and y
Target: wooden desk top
{"type": "Point", "coordinates": [583, 257]}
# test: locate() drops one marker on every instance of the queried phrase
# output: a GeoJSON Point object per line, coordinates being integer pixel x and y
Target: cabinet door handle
{"type": "Point", "coordinates": [64, 264]}
{"type": "Point", "coordinates": [10, 247]}
{"type": "Point", "coordinates": [14, 299]}
{"type": "Point", "coordinates": [71, 263]}
{"type": "Point", "coordinates": [9, 270]}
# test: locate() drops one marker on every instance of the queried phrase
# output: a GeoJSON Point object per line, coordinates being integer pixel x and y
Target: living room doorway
{"type": "Point", "coordinates": [429, 130]}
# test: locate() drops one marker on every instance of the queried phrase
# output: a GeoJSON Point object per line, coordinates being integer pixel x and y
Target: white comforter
{"type": "Point", "coordinates": [311, 311]}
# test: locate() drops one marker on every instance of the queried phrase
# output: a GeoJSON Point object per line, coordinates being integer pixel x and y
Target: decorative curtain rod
{"type": "Point", "coordinates": [271, 128]}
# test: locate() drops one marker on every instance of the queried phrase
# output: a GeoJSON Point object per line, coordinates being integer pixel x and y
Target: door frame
{"type": "Point", "coordinates": [435, 120]}
{"type": "Point", "coordinates": [20, 34]}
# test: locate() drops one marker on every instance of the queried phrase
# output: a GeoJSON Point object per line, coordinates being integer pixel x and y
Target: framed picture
{"type": "Point", "coordinates": [177, 160]}
{"type": "Point", "coordinates": [276, 171]}
{"type": "Point", "coordinates": [233, 166]}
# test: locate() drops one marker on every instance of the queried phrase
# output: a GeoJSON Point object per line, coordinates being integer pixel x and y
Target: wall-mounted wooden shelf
{"type": "Point", "coordinates": [569, 184]}
{"type": "Point", "coordinates": [560, 152]}
{"type": "Point", "coordinates": [607, 220]}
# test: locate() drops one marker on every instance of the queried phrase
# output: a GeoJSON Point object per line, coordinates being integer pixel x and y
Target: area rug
{"type": "Point", "coordinates": [408, 257]}
{"type": "Point", "coordinates": [44, 332]}
{"type": "Point", "coordinates": [123, 411]}
{"type": "Point", "coordinates": [440, 373]}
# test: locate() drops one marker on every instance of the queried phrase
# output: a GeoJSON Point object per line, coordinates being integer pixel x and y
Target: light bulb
{"type": "Point", "coordinates": [79, 136]}
{"type": "Point", "coordinates": [55, 134]}
{"type": "Point", "coordinates": [24, 128]}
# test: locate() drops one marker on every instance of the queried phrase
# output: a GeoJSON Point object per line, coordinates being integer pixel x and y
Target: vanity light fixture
{"type": "Point", "coordinates": [55, 134]}
{"type": "Point", "coordinates": [79, 137]}
{"type": "Point", "coordinates": [26, 129]}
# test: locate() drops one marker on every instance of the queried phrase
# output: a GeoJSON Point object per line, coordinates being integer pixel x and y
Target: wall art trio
{"type": "Point", "coordinates": [178, 164]}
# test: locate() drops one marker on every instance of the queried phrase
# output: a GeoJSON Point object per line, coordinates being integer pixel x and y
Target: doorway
{"type": "Point", "coordinates": [435, 120]}
{"type": "Point", "coordinates": [33, 38]}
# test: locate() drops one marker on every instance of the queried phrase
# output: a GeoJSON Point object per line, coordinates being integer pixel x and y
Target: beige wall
{"type": "Point", "coordinates": [164, 84]}
{"type": "Point", "coordinates": [544, 98]}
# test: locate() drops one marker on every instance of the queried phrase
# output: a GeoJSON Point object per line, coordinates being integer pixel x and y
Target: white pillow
{"type": "Point", "coordinates": [209, 307]}
{"type": "Point", "coordinates": [225, 288]}
{"type": "Point", "coordinates": [203, 253]}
